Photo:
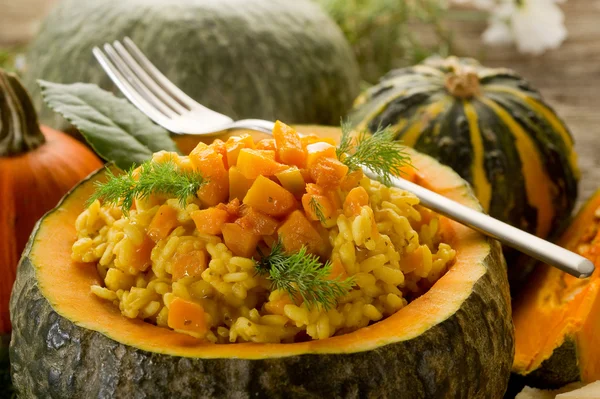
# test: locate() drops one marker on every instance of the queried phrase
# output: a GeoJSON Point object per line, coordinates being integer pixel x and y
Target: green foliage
{"type": "Point", "coordinates": [387, 34]}
{"type": "Point", "coordinates": [116, 130]}
{"type": "Point", "coordinates": [380, 152]}
{"type": "Point", "coordinates": [302, 274]}
{"type": "Point", "coordinates": [154, 178]}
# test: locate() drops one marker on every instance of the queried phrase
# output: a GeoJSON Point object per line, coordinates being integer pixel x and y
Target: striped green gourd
{"type": "Point", "coordinates": [491, 127]}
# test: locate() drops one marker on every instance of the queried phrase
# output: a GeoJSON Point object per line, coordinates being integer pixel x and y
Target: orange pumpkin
{"type": "Point", "coordinates": [557, 316]}
{"type": "Point", "coordinates": [38, 165]}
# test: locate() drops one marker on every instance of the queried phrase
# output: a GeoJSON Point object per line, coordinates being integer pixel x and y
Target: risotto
{"type": "Point", "coordinates": [191, 266]}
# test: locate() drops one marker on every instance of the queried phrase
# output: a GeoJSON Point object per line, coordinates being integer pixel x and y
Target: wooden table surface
{"type": "Point", "coordinates": [568, 78]}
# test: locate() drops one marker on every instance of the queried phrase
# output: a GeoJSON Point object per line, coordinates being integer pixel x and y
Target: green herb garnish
{"type": "Point", "coordinates": [154, 178]}
{"type": "Point", "coordinates": [116, 130]}
{"type": "Point", "coordinates": [317, 209]}
{"type": "Point", "coordinates": [379, 152]}
{"type": "Point", "coordinates": [303, 274]}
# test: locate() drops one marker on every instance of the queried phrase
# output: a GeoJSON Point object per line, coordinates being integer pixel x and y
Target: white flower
{"type": "Point", "coordinates": [534, 25]}
{"type": "Point", "coordinates": [499, 31]}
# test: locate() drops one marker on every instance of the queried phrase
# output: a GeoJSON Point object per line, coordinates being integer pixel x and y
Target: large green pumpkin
{"type": "Point", "coordinates": [269, 59]}
{"type": "Point", "coordinates": [491, 127]}
{"type": "Point", "coordinates": [455, 341]}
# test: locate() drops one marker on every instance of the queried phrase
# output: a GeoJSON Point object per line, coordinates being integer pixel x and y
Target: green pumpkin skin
{"type": "Point", "coordinates": [268, 59]}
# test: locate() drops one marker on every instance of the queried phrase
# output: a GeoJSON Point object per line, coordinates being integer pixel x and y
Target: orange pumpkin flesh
{"type": "Point", "coordinates": [557, 319]}
{"type": "Point", "coordinates": [38, 165]}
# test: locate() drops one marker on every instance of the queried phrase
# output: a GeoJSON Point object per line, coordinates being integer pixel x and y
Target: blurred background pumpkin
{"type": "Point", "coordinates": [38, 165]}
{"type": "Point", "coordinates": [268, 59]}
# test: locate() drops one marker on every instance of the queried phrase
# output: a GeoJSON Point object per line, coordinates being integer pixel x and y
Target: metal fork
{"type": "Point", "coordinates": [163, 102]}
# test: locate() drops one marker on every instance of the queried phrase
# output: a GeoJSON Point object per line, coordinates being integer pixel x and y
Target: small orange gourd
{"type": "Point", "coordinates": [38, 165]}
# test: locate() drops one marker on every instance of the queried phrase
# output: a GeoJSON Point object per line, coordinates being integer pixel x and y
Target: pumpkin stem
{"type": "Point", "coordinates": [19, 128]}
{"type": "Point", "coordinates": [463, 82]}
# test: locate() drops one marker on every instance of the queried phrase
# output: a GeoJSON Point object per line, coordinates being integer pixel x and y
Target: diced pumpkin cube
{"type": "Point", "coordinates": [210, 220]}
{"type": "Point", "coordinates": [162, 223]}
{"type": "Point", "coordinates": [351, 180]}
{"type": "Point", "coordinates": [297, 231]}
{"type": "Point", "coordinates": [306, 175]}
{"type": "Point", "coordinates": [266, 144]}
{"type": "Point", "coordinates": [292, 180]}
{"type": "Point", "coordinates": [254, 163]}
{"type": "Point", "coordinates": [238, 184]}
{"type": "Point", "coordinates": [233, 146]}
{"type": "Point", "coordinates": [215, 191]}
{"type": "Point", "coordinates": [240, 241]}
{"type": "Point", "coordinates": [292, 156]}
{"type": "Point", "coordinates": [313, 138]}
{"type": "Point", "coordinates": [187, 316]}
{"type": "Point", "coordinates": [247, 140]}
{"type": "Point", "coordinates": [257, 222]}
{"type": "Point", "coordinates": [141, 257]}
{"type": "Point", "coordinates": [189, 264]}
{"type": "Point", "coordinates": [267, 154]}
{"type": "Point", "coordinates": [233, 208]}
{"type": "Point", "coordinates": [338, 271]}
{"type": "Point", "coordinates": [185, 164]}
{"type": "Point", "coordinates": [270, 241]}
{"type": "Point", "coordinates": [412, 261]}
{"type": "Point", "coordinates": [355, 200]}
{"type": "Point", "coordinates": [200, 147]}
{"type": "Point", "coordinates": [317, 151]}
{"type": "Point", "coordinates": [276, 307]}
{"type": "Point", "coordinates": [210, 164]}
{"type": "Point", "coordinates": [289, 145]}
{"type": "Point", "coordinates": [334, 197]}
{"type": "Point", "coordinates": [321, 203]}
{"type": "Point", "coordinates": [220, 148]}
{"type": "Point", "coordinates": [312, 188]}
{"type": "Point", "coordinates": [269, 197]}
{"type": "Point", "coordinates": [328, 172]}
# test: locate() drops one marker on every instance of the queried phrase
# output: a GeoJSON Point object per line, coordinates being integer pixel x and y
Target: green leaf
{"type": "Point", "coordinates": [115, 129]}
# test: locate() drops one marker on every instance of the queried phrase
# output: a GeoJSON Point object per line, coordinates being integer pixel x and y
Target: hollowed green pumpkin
{"type": "Point", "coordinates": [454, 341]}
{"type": "Point", "coordinates": [491, 127]}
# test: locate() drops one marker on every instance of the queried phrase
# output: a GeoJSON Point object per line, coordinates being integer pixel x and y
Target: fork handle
{"type": "Point", "coordinates": [536, 247]}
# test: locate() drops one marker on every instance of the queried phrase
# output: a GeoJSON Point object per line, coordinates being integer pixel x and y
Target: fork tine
{"type": "Point", "coordinates": [142, 75]}
{"type": "Point", "coordinates": [126, 88]}
{"type": "Point", "coordinates": [135, 82]}
{"type": "Point", "coordinates": [161, 79]}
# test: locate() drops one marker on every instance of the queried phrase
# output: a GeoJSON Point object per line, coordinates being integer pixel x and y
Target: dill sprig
{"type": "Point", "coordinates": [379, 152]}
{"type": "Point", "coordinates": [153, 178]}
{"type": "Point", "coordinates": [116, 189]}
{"type": "Point", "coordinates": [277, 255]}
{"type": "Point", "coordinates": [345, 146]}
{"type": "Point", "coordinates": [317, 209]}
{"type": "Point", "coordinates": [303, 274]}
